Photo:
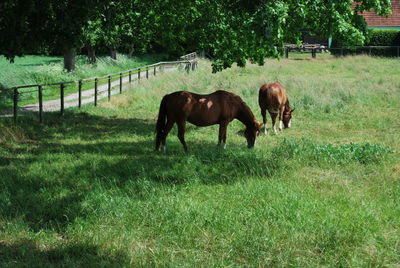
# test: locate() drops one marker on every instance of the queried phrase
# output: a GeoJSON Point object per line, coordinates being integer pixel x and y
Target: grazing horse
{"type": "Point", "coordinates": [273, 97]}
{"type": "Point", "coordinates": [220, 107]}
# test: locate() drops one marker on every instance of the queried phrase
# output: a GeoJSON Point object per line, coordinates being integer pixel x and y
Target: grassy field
{"type": "Point", "coordinates": [88, 190]}
{"type": "Point", "coordinates": [31, 70]}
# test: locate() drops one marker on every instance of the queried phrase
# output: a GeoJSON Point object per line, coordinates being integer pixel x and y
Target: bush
{"type": "Point", "coordinates": [376, 37]}
{"type": "Point", "coordinates": [383, 38]}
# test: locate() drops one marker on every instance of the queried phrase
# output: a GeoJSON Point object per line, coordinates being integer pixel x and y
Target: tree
{"type": "Point", "coordinates": [19, 24]}
{"type": "Point", "coordinates": [91, 35]}
{"type": "Point", "coordinates": [28, 24]}
{"type": "Point", "coordinates": [254, 30]}
{"type": "Point", "coordinates": [231, 30]}
{"type": "Point", "coordinates": [66, 26]}
{"type": "Point", "coordinates": [119, 25]}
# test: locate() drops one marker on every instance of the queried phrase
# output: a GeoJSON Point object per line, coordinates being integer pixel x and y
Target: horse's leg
{"type": "Point", "coordinates": [264, 116]}
{"type": "Point", "coordinates": [168, 127]}
{"type": "Point", "coordinates": [181, 133]}
{"type": "Point", "coordinates": [273, 118]}
{"type": "Point", "coordinates": [222, 134]}
{"type": "Point", "coordinates": [281, 118]}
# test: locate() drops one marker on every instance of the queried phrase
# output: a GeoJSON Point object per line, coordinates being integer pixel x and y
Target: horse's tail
{"type": "Point", "coordinates": [161, 121]}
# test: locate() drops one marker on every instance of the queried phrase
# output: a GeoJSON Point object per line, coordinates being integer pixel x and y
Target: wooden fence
{"type": "Point", "coordinates": [189, 61]}
{"type": "Point", "coordinates": [394, 51]}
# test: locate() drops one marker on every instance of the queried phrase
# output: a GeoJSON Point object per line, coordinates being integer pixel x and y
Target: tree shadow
{"type": "Point", "coordinates": [53, 199]}
{"type": "Point", "coordinates": [26, 253]}
{"type": "Point", "coordinates": [82, 125]}
{"type": "Point", "coordinates": [43, 62]}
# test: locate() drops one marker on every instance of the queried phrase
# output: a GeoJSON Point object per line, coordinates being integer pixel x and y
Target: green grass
{"type": "Point", "coordinates": [31, 70]}
{"type": "Point", "coordinates": [87, 189]}
{"type": "Point", "coordinates": [308, 56]}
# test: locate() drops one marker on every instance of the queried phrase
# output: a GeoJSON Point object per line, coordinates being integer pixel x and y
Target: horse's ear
{"type": "Point", "coordinates": [260, 125]}
{"type": "Point", "coordinates": [291, 110]}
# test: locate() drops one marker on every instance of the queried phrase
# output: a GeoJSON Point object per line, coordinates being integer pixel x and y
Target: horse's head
{"type": "Point", "coordinates": [287, 117]}
{"type": "Point", "coordinates": [251, 132]}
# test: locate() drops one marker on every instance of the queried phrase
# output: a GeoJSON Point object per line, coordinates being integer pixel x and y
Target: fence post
{"type": "Point", "coordinates": [154, 70]}
{"type": "Point", "coordinates": [62, 86]}
{"type": "Point", "coordinates": [120, 83]}
{"type": "Point", "coordinates": [109, 88]}
{"type": "Point", "coordinates": [341, 51]}
{"type": "Point", "coordinates": [147, 72]}
{"type": "Point", "coordinates": [130, 76]}
{"type": "Point", "coordinates": [369, 51]}
{"type": "Point", "coordinates": [40, 104]}
{"type": "Point", "coordinates": [80, 93]}
{"type": "Point", "coordinates": [95, 92]}
{"type": "Point", "coordinates": [138, 75]}
{"type": "Point", "coordinates": [287, 52]}
{"type": "Point", "coordinates": [188, 66]}
{"type": "Point", "coordinates": [193, 66]}
{"type": "Point", "coordinates": [15, 97]}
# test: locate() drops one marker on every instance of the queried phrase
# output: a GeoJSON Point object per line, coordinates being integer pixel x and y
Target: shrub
{"type": "Point", "coordinates": [376, 37]}
{"type": "Point", "coordinates": [383, 38]}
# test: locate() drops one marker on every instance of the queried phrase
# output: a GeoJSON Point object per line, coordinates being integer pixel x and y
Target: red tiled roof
{"type": "Point", "coordinates": [373, 19]}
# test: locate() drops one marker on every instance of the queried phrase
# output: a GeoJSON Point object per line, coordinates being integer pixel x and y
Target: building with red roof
{"type": "Point", "coordinates": [392, 21]}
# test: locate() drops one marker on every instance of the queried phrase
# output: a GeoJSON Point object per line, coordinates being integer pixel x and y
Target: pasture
{"type": "Point", "coordinates": [88, 189]}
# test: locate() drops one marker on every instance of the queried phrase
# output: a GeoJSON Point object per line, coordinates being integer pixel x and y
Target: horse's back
{"type": "Point", "coordinates": [203, 110]}
{"type": "Point", "coordinates": [272, 96]}
{"type": "Point", "coordinates": [275, 89]}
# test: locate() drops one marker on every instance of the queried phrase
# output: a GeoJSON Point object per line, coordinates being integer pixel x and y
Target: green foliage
{"type": "Point", "coordinates": [383, 38]}
{"type": "Point", "coordinates": [374, 37]}
{"type": "Point", "coordinates": [230, 31]}
{"type": "Point", "coordinates": [255, 31]}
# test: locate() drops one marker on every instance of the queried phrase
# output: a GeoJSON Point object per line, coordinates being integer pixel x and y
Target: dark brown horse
{"type": "Point", "coordinates": [220, 107]}
{"type": "Point", "coordinates": [273, 97]}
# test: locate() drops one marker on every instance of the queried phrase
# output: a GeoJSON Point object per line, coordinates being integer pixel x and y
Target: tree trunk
{"type": "Point", "coordinates": [69, 59]}
{"type": "Point", "coordinates": [131, 51]}
{"type": "Point", "coordinates": [113, 54]}
{"type": "Point", "coordinates": [91, 54]}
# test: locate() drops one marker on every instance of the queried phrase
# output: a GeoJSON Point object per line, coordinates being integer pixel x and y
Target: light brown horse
{"type": "Point", "coordinates": [273, 97]}
{"type": "Point", "coordinates": [220, 107]}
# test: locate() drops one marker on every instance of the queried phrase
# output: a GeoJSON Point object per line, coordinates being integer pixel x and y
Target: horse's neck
{"type": "Point", "coordinates": [287, 106]}
{"type": "Point", "coordinates": [245, 115]}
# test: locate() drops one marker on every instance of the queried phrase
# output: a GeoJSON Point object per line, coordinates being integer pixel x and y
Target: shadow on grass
{"type": "Point", "coordinates": [46, 184]}
{"type": "Point", "coordinates": [82, 126]}
{"type": "Point", "coordinates": [25, 253]}
{"type": "Point", "coordinates": [43, 62]}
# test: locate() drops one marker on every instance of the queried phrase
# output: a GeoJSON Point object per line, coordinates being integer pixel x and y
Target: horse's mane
{"type": "Point", "coordinates": [287, 105]}
{"type": "Point", "coordinates": [246, 109]}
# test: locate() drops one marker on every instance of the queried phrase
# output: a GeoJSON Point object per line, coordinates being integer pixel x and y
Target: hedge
{"type": "Point", "coordinates": [383, 38]}
{"type": "Point", "coordinates": [376, 37]}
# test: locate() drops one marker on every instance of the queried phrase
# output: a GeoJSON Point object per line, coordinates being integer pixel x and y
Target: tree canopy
{"type": "Point", "coordinates": [232, 31]}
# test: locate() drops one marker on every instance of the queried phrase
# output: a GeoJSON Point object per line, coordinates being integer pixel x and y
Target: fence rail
{"type": "Point", "coordinates": [393, 51]}
{"type": "Point", "coordinates": [190, 61]}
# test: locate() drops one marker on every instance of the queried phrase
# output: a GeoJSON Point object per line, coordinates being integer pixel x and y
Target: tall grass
{"type": "Point", "coordinates": [41, 69]}
{"type": "Point", "coordinates": [88, 189]}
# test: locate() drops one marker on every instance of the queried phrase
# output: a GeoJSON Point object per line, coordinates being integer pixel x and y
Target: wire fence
{"type": "Point", "coordinates": [189, 62]}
